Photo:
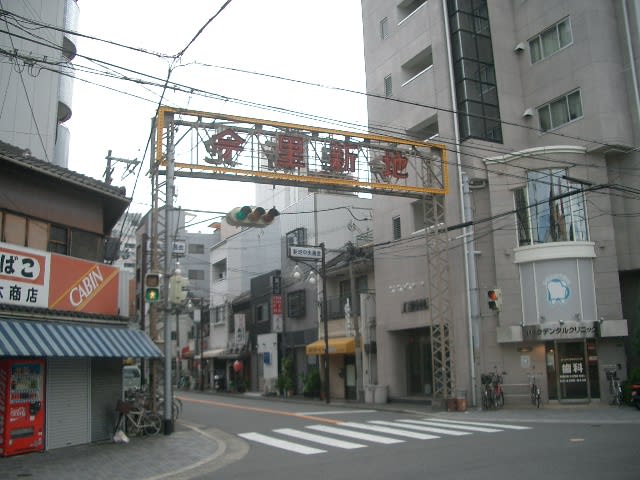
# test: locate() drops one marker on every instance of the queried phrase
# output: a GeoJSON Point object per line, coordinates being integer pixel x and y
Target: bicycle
{"type": "Point", "coordinates": [615, 388]}
{"type": "Point", "coordinates": [536, 398]}
{"type": "Point", "coordinates": [498, 393]}
{"type": "Point", "coordinates": [134, 419]}
{"type": "Point", "coordinates": [488, 392]}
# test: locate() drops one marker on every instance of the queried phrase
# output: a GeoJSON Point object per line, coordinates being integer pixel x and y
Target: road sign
{"type": "Point", "coordinates": [305, 252]}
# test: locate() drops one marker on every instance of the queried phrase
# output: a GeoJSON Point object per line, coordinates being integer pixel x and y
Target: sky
{"type": "Point", "coordinates": [248, 54]}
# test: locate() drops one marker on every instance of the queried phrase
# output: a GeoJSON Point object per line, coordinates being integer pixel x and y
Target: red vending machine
{"type": "Point", "coordinates": [21, 406]}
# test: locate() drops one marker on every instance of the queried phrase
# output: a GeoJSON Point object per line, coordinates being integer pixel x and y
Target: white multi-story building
{"type": "Point", "coordinates": [36, 76]}
{"type": "Point", "coordinates": [537, 104]}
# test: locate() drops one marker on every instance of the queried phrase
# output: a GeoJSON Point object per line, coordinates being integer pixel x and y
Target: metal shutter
{"type": "Point", "coordinates": [106, 389]}
{"type": "Point", "coordinates": [67, 402]}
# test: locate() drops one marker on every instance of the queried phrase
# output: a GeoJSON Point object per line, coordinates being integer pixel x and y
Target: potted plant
{"type": "Point", "coordinates": [286, 379]}
{"type": "Point", "coordinates": [311, 383]}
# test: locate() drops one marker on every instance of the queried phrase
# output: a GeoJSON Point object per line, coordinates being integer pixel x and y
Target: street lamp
{"type": "Point", "coordinates": [297, 274]}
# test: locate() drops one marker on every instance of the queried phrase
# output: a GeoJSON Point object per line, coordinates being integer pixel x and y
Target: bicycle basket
{"type": "Point", "coordinates": [485, 379]}
{"type": "Point", "coordinates": [124, 407]}
{"type": "Point", "coordinates": [611, 373]}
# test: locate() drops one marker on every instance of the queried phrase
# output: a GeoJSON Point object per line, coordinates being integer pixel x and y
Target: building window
{"type": "Point", "coordinates": [560, 111]}
{"type": "Point", "coordinates": [296, 304]}
{"type": "Point", "coordinates": [219, 270]}
{"type": "Point", "coordinates": [550, 41]}
{"type": "Point", "coordinates": [196, 248]}
{"type": "Point", "coordinates": [297, 236]}
{"type": "Point", "coordinates": [261, 313]}
{"type": "Point", "coordinates": [58, 239]}
{"type": "Point", "coordinates": [384, 28]}
{"type": "Point", "coordinates": [388, 87]}
{"type": "Point", "coordinates": [196, 274]}
{"type": "Point", "coordinates": [397, 233]}
{"type": "Point", "coordinates": [548, 211]}
{"type": "Point", "coordinates": [474, 71]}
{"type": "Point", "coordinates": [218, 314]}
{"type": "Point", "coordinates": [407, 7]}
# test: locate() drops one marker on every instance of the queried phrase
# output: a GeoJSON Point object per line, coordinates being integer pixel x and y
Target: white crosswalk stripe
{"type": "Point", "coordinates": [368, 437]}
{"type": "Point", "coordinates": [312, 437]}
{"type": "Point", "coordinates": [471, 428]}
{"type": "Point", "coordinates": [415, 425]}
{"type": "Point", "coordinates": [386, 433]}
{"type": "Point", "coordinates": [274, 442]}
{"type": "Point", "coordinates": [389, 430]}
{"type": "Point", "coordinates": [481, 424]}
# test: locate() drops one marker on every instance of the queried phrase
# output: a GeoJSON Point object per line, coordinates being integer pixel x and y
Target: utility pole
{"type": "Point", "coordinates": [356, 323]}
{"type": "Point", "coordinates": [109, 170]}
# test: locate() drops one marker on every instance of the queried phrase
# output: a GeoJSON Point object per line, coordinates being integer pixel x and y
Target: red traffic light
{"type": "Point", "coordinates": [251, 216]}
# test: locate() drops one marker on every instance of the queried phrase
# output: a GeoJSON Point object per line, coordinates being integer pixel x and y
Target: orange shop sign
{"type": "Point", "coordinates": [64, 283]}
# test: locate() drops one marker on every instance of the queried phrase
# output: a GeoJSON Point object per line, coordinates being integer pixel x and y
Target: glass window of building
{"type": "Point", "coordinates": [550, 209]}
{"type": "Point", "coordinates": [196, 248]}
{"type": "Point", "coordinates": [550, 41]}
{"type": "Point", "coordinates": [560, 111]}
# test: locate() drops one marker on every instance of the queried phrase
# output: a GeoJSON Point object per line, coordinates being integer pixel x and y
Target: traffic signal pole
{"type": "Point", "coordinates": [169, 223]}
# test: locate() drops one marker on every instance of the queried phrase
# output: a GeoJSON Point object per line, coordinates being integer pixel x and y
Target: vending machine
{"type": "Point", "coordinates": [21, 406]}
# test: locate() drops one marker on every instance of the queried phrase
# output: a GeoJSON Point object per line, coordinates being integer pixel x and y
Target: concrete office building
{"type": "Point", "coordinates": [537, 103]}
{"type": "Point", "coordinates": [36, 76]}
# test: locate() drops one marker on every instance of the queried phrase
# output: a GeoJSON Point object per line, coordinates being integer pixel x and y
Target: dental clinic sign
{"type": "Point", "coordinates": [34, 278]}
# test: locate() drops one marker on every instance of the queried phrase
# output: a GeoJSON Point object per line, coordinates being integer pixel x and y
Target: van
{"type": "Point", "coordinates": [131, 378]}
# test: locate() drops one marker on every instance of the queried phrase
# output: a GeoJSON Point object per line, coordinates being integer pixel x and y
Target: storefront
{"type": "Point", "coordinates": [342, 367]}
{"type": "Point", "coordinates": [59, 382]}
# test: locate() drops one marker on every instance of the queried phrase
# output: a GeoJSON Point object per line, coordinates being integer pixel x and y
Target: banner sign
{"type": "Point", "coordinates": [34, 278]}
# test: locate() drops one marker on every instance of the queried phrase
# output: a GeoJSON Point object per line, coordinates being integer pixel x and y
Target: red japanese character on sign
{"type": "Point", "coordinates": [290, 152]}
{"type": "Point", "coordinates": [223, 146]}
{"type": "Point", "coordinates": [341, 158]}
{"type": "Point", "coordinates": [394, 164]}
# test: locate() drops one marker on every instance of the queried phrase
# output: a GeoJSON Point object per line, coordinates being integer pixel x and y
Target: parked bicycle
{"type": "Point", "coordinates": [534, 388]}
{"type": "Point", "coordinates": [144, 397]}
{"type": "Point", "coordinates": [615, 388]}
{"type": "Point", "coordinates": [492, 392]}
{"type": "Point", "coordinates": [134, 419]}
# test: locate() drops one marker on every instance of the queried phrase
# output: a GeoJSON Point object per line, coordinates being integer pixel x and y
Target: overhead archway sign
{"type": "Point", "coordinates": [228, 147]}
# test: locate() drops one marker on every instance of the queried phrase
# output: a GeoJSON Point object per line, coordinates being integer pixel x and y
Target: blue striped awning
{"type": "Point", "coordinates": [49, 339]}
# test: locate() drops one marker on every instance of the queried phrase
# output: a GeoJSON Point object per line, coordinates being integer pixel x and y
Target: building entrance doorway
{"type": "Point", "coordinates": [418, 362]}
{"type": "Point", "coordinates": [572, 370]}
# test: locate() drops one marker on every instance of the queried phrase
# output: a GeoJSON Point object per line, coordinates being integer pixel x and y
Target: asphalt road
{"type": "Point", "coordinates": [296, 440]}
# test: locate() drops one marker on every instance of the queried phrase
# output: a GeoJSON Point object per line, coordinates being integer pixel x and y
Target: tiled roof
{"type": "Point", "coordinates": [17, 156]}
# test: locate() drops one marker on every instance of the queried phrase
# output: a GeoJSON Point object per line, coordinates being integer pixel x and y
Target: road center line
{"type": "Point", "coordinates": [262, 410]}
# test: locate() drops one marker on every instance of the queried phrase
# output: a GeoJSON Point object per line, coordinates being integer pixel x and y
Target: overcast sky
{"type": "Point", "coordinates": [318, 42]}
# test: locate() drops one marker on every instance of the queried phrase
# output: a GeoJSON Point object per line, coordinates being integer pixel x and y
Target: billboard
{"type": "Point", "coordinates": [228, 147]}
{"type": "Point", "coordinates": [34, 278]}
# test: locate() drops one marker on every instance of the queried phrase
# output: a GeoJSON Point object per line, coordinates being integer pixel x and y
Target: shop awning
{"type": "Point", "coordinates": [213, 353]}
{"type": "Point", "coordinates": [337, 346]}
{"type": "Point", "coordinates": [50, 339]}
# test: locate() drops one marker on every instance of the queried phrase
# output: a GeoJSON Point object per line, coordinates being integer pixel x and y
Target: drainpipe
{"type": "Point", "coordinates": [467, 232]}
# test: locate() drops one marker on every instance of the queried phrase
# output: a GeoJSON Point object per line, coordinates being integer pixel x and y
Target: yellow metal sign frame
{"type": "Point", "coordinates": [264, 151]}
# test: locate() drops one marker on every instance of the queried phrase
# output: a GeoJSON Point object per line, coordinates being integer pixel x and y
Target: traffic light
{"type": "Point", "coordinates": [248, 216]}
{"type": "Point", "coordinates": [152, 287]}
{"type": "Point", "coordinates": [495, 299]}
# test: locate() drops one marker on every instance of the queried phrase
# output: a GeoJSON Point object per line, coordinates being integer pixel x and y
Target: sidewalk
{"type": "Point", "coordinates": [190, 451]}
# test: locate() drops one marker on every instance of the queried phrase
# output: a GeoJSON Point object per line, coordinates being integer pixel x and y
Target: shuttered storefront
{"type": "Point", "coordinates": [106, 389]}
{"type": "Point", "coordinates": [67, 402]}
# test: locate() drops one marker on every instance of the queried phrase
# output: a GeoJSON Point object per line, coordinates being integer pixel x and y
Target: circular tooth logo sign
{"type": "Point", "coordinates": [558, 290]}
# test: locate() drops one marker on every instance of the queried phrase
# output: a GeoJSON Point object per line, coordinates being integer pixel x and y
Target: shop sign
{"type": "Point", "coordinates": [572, 370]}
{"type": "Point", "coordinates": [556, 331]}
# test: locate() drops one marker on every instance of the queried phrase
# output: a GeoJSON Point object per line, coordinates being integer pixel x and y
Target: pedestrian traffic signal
{"type": "Point", "coordinates": [152, 287]}
{"type": "Point", "coordinates": [251, 216]}
{"type": "Point", "coordinates": [495, 299]}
